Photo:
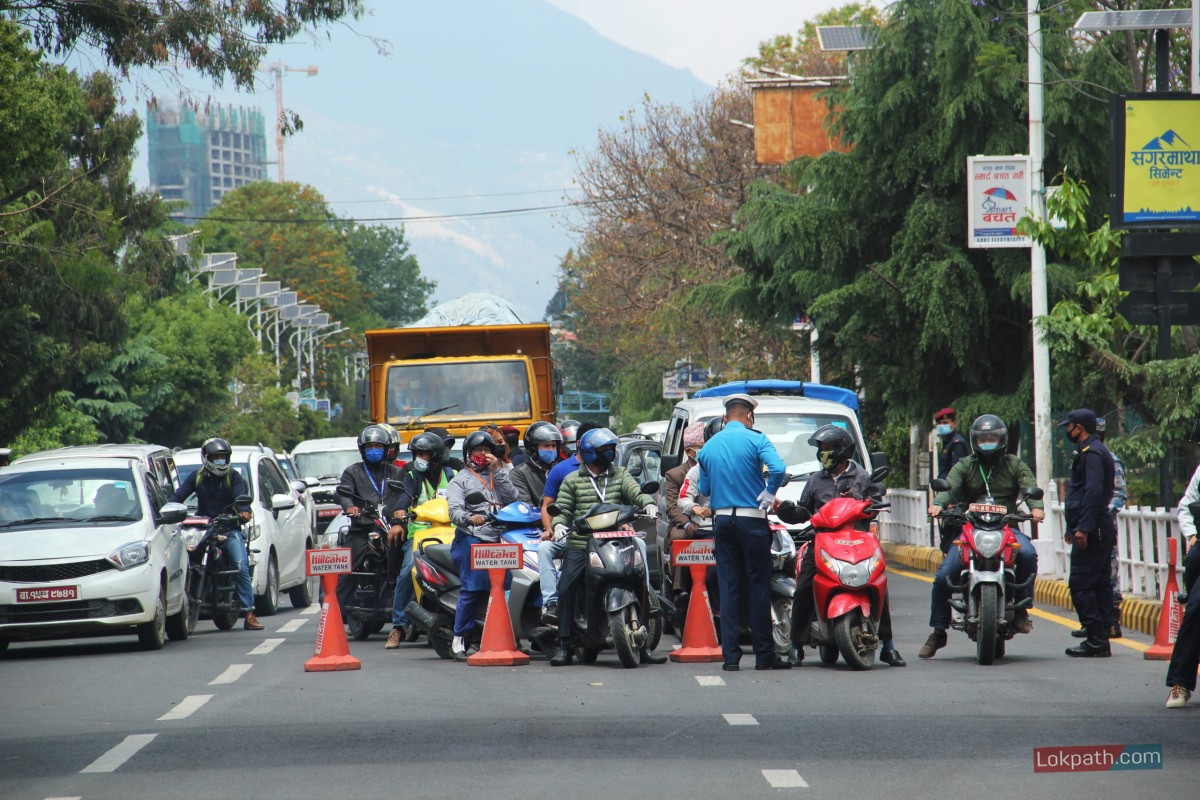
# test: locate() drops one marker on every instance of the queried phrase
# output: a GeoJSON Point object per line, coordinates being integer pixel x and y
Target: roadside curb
{"type": "Point", "coordinates": [1137, 613]}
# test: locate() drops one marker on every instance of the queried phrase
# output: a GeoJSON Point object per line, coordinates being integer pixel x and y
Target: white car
{"type": "Point", "coordinates": [279, 531]}
{"type": "Point", "coordinates": [324, 460]}
{"type": "Point", "coordinates": [90, 546]}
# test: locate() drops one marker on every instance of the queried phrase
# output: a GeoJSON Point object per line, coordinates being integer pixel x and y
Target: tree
{"type": "Point", "coordinates": [394, 289]}
{"type": "Point", "coordinates": [801, 54]}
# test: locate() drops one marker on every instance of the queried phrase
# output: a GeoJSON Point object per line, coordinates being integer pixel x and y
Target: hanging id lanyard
{"type": "Point", "coordinates": [374, 485]}
{"type": "Point", "coordinates": [489, 484]}
{"type": "Point", "coordinates": [603, 495]}
{"type": "Point", "coordinates": [986, 487]}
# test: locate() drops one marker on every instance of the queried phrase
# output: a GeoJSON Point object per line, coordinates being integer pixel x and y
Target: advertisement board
{"type": "Point", "coordinates": [997, 197]}
{"type": "Point", "coordinates": [1154, 167]}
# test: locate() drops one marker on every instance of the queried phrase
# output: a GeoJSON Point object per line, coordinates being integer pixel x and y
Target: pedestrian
{"type": "Point", "coordinates": [1091, 530]}
{"type": "Point", "coordinates": [1185, 656]}
{"type": "Point", "coordinates": [952, 445]}
{"type": "Point", "coordinates": [731, 475]}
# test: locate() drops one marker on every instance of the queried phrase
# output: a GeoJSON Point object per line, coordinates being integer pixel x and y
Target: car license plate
{"type": "Point", "coordinates": [328, 512]}
{"type": "Point", "coordinates": [47, 594]}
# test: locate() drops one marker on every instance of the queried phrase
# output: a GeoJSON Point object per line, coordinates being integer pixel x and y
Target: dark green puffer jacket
{"type": "Point", "coordinates": [578, 494]}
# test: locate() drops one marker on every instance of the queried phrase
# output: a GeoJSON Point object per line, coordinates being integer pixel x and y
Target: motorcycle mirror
{"type": "Point", "coordinates": [346, 492]}
{"type": "Point", "coordinates": [475, 498]}
{"type": "Point", "coordinates": [243, 499]}
{"type": "Point", "coordinates": [553, 509]}
{"type": "Point", "coordinates": [650, 487]}
{"type": "Point", "coordinates": [792, 514]}
{"type": "Point", "coordinates": [879, 473]}
{"type": "Point", "coordinates": [939, 485]}
{"type": "Point", "coordinates": [395, 485]}
{"type": "Point", "coordinates": [1035, 493]}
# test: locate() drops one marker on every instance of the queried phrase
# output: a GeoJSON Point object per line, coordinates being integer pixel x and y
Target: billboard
{"type": "Point", "coordinates": [997, 196]}
{"type": "Point", "coordinates": [789, 121]}
{"type": "Point", "coordinates": [1154, 164]}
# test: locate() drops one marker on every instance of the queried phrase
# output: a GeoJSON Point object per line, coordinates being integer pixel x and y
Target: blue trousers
{"type": "Point", "coordinates": [405, 592]}
{"type": "Point", "coordinates": [475, 583]}
{"type": "Point", "coordinates": [239, 559]}
{"type": "Point", "coordinates": [952, 567]}
{"type": "Point", "coordinates": [743, 550]}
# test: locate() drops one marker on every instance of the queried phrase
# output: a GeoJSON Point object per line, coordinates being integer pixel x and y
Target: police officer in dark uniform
{"type": "Point", "coordinates": [1091, 530]}
{"type": "Point", "coordinates": [953, 445]}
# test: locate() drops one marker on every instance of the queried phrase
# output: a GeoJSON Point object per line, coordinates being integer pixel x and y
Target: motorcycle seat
{"type": "Point", "coordinates": [440, 555]}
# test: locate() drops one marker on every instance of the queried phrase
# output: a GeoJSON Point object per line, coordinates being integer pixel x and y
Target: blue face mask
{"type": "Point", "coordinates": [219, 462]}
{"type": "Point", "coordinates": [547, 456]}
{"type": "Point", "coordinates": [943, 430]}
{"type": "Point", "coordinates": [373, 455]}
{"type": "Point", "coordinates": [987, 447]}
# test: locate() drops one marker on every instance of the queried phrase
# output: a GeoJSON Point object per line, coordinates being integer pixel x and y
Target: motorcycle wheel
{"type": "Point", "coordinates": [359, 630]}
{"type": "Point", "coordinates": [781, 625]}
{"type": "Point", "coordinates": [848, 631]}
{"type": "Point", "coordinates": [440, 642]}
{"type": "Point", "coordinates": [224, 620]}
{"type": "Point", "coordinates": [985, 643]}
{"type": "Point", "coordinates": [623, 624]}
{"type": "Point", "coordinates": [829, 653]}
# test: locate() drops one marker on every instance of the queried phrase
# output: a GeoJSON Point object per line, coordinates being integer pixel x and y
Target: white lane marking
{"type": "Point", "coordinates": [710, 680]}
{"type": "Point", "coordinates": [267, 646]}
{"type": "Point", "coordinates": [784, 779]}
{"type": "Point", "coordinates": [313, 609]}
{"type": "Point", "coordinates": [740, 719]}
{"type": "Point", "coordinates": [292, 626]}
{"type": "Point", "coordinates": [120, 754]}
{"type": "Point", "coordinates": [230, 675]}
{"type": "Point", "coordinates": [76, 797]}
{"type": "Point", "coordinates": [186, 707]}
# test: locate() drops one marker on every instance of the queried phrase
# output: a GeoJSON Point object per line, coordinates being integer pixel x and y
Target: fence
{"type": "Point", "coordinates": [1141, 539]}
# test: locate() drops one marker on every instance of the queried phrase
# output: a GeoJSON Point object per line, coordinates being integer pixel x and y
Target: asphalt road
{"type": "Point", "coordinates": [98, 718]}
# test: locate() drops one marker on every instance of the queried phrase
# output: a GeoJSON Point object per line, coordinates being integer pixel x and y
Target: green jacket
{"type": "Point", "coordinates": [578, 493]}
{"type": "Point", "coordinates": [970, 480]}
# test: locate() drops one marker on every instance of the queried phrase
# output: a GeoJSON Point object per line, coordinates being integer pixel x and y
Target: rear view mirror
{"type": "Point", "coordinates": [880, 459]}
{"type": "Point", "coordinates": [243, 500]}
{"type": "Point", "coordinates": [1035, 493]}
{"type": "Point", "coordinates": [650, 487]}
{"type": "Point", "coordinates": [346, 492]}
{"type": "Point", "coordinates": [172, 513]}
{"type": "Point", "coordinates": [553, 510]}
{"type": "Point", "coordinates": [940, 485]}
{"type": "Point", "coordinates": [879, 473]}
{"type": "Point", "coordinates": [635, 471]}
{"type": "Point", "coordinates": [395, 485]}
{"type": "Point", "coordinates": [792, 514]}
{"type": "Point", "coordinates": [299, 486]}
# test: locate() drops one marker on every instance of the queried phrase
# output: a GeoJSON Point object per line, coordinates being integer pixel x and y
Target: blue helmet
{"type": "Point", "coordinates": [592, 441]}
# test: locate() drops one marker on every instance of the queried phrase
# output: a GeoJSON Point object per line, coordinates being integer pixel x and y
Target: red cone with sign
{"type": "Point", "coordinates": [499, 645]}
{"type": "Point", "coordinates": [699, 635]}
{"type": "Point", "coordinates": [1170, 616]}
{"type": "Point", "coordinates": [333, 651]}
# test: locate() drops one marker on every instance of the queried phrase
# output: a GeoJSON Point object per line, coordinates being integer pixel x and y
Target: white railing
{"type": "Point", "coordinates": [1142, 534]}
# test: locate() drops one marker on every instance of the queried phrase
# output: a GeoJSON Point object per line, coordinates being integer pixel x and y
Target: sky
{"type": "Point", "coordinates": [708, 37]}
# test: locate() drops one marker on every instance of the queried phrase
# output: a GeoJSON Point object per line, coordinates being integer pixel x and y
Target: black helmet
{"type": "Point", "coordinates": [477, 439]}
{"type": "Point", "coordinates": [836, 440]}
{"type": "Point", "coordinates": [540, 433]}
{"type": "Point", "coordinates": [989, 426]}
{"type": "Point", "coordinates": [374, 435]}
{"type": "Point", "coordinates": [713, 427]}
{"type": "Point", "coordinates": [427, 443]}
{"type": "Point", "coordinates": [215, 448]}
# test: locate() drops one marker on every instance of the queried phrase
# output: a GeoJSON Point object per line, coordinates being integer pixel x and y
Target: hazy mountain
{"type": "Point", "coordinates": [476, 97]}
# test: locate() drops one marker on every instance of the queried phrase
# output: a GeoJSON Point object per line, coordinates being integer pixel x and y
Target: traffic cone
{"type": "Point", "coordinates": [1170, 616]}
{"type": "Point", "coordinates": [699, 635]}
{"type": "Point", "coordinates": [499, 645]}
{"type": "Point", "coordinates": [333, 651]}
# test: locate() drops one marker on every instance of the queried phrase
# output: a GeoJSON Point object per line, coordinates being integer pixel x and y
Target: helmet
{"type": "Point", "coordinates": [477, 439]}
{"type": "Point", "coordinates": [427, 443]}
{"type": "Point", "coordinates": [393, 449]}
{"type": "Point", "coordinates": [835, 439]}
{"type": "Point", "coordinates": [713, 427]}
{"type": "Point", "coordinates": [541, 433]}
{"type": "Point", "coordinates": [215, 448]}
{"type": "Point", "coordinates": [592, 441]}
{"type": "Point", "coordinates": [988, 426]}
{"type": "Point", "coordinates": [374, 435]}
{"type": "Point", "coordinates": [570, 432]}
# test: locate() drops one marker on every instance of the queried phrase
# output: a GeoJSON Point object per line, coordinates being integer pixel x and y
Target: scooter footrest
{"type": "Point", "coordinates": [958, 606]}
{"type": "Point", "coordinates": [956, 587]}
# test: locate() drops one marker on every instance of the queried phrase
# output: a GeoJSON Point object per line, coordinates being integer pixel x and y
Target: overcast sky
{"type": "Point", "coordinates": [709, 37]}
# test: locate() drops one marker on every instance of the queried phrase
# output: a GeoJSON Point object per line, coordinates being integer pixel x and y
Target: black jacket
{"type": "Point", "coordinates": [214, 495]}
{"type": "Point", "coordinates": [367, 487]}
{"type": "Point", "coordinates": [1090, 489]}
{"type": "Point", "coordinates": [954, 448]}
{"type": "Point", "coordinates": [529, 480]}
{"type": "Point", "coordinates": [822, 487]}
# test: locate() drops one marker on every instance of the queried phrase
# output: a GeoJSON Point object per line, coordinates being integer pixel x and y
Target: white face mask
{"type": "Point", "coordinates": [420, 464]}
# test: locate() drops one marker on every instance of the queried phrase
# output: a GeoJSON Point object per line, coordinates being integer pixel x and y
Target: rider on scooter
{"type": "Point", "coordinates": [988, 472]}
{"type": "Point", "coordinates": [840, 476]}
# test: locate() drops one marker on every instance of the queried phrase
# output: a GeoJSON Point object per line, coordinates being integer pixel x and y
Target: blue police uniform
{"type": "Point", "coordinates": [1086, 506]}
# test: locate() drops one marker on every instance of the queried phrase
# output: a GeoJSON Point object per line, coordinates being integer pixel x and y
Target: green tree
{"type": "Point", "coordinates": [395, 291]}
{"type": "Point", "coordinates": [58, 423]}
{"type": "Point", "coordinates": [801, 54]}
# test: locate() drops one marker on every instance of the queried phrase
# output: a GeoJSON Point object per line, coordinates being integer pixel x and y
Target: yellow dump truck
{"type": "Point", "coordinates": [461, 377]}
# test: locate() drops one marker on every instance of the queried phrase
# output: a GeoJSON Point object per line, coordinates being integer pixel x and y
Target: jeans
{"type": "Point", "coordinates": [235, 551]}
{"type": "Point", "coordinates": [547, 552]}
{"type": "Point", "coordinates": [405, 592]}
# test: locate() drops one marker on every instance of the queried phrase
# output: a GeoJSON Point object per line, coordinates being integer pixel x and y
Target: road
{"type": "Point", "coordinates": [231, 715]}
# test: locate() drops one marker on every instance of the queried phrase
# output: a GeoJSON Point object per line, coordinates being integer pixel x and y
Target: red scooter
{"type": "Point", "coordinates": [850, 584]}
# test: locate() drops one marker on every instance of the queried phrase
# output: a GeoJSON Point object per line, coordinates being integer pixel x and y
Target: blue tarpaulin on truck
{"type": "Point", "coordinates": [817, 391]}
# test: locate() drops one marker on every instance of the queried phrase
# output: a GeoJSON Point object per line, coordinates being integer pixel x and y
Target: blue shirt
{"type": "Point", "coordinates": [731, 467]}
{"type": "Point", "coordinates": [557, 474]}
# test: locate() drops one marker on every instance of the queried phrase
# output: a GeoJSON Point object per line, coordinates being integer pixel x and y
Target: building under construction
{"type": "Point", "coordinates": [198, 154]}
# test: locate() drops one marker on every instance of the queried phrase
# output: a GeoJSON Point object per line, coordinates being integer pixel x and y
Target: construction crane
{"type": "Point", "coordinates": [277, 69]}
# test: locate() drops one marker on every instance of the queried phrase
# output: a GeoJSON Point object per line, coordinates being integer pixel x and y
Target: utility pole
{"type": "Point", "coordinates": [277, 69]}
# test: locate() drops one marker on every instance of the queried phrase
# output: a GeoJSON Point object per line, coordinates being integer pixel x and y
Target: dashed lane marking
{"type": "Point", "coordinates": [710, 680]}
{"type": "Point", "coordinates": [120, 754]}
{"type": "Point", "coordinates": [267, 646]}
{"type": "Point", "coordinates": [186, 707]}
{"type": "Point", "coordinates": [784, 779]}
{"type": "Point", "coordinates": [292, 626]}
{"type": "Point", "coordinates": [230, 675]}
{"type": "Point", "coordinates": [740, 719]}
{"type": "Point", "coordinates": [76, 797]}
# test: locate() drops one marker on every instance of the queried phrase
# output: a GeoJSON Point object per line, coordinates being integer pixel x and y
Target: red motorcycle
{"type": "Point", "coordinates": [850, 584]}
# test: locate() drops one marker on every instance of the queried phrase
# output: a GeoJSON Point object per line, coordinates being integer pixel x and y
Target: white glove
{"type": "Point", "coordinates": [766, 500]}
{"type": "Point", "coordinates": [560, 530]}
{"type": "Point", "coordinates": [651, 511]}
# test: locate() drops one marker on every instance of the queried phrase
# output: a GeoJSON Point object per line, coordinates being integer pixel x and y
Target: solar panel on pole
{"type": "Point", "coordinates": [1147, 19]}
{"type": "Point", "coordinates": [846, 37]}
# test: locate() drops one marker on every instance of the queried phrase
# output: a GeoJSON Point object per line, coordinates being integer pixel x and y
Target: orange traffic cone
{"type": "Point", "coordinates": [333, 651]}
{"type": "Point", "coordinates": [1170, 616]}
{"type": "Point", "coordinates": [699, 635]}
{"type": "Point", "coordinates": [499, 645]}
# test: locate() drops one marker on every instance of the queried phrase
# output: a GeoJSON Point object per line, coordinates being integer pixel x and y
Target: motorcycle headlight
{"type": "Point", "coordinates": [602, 522]}
{"type": "Point", "coordinates": [851, 575]}
{"type": "Point", "coordinates": [987, 543]}
{"type": "Point", "coordinates": [130, 555]}
{"type": "Point", "coordinates": [191, 537]}
{"type": "Point", "coordinates": [594, 560]}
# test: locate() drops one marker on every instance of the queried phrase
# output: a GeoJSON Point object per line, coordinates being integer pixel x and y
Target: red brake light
{"type": "Point", "coordinates": [429, 575]}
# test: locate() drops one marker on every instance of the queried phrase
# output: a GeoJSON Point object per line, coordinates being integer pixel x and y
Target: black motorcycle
{"type": "Point", "coordinates": [212, 579]}
{"type": "Point", "coordinates": [370, 607]}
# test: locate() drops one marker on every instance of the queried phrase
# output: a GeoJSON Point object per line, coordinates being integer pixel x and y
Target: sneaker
{"type": "Point", "coordinates": [394, 639]}
{"type": "Point", "coordinates": [1022, 622]}
{"type": "Point", "coordinates": [935, 642]}
{"type": "Point", "coordinates": [459, 648]}
{"type": "Point", "coordinates": [1178, 697]}
{"type": "Point", "coordinates": [550, 614]}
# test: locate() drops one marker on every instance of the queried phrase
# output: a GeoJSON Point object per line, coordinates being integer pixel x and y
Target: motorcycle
{"type": "Point", "coordinates": [370, 607]}
{"type": "Point", "coordinates": [613, 611]}
{"type": "Point", "coordinates": [981, 604]}
{"type": "Point", "coordinates": [850, 583]}
{"type": "Point", "coordinates": [211, 581]}
{"type": "Point", "coordinates": [438, 584]}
